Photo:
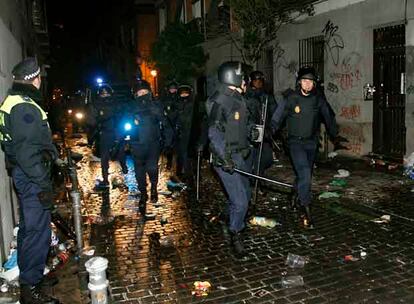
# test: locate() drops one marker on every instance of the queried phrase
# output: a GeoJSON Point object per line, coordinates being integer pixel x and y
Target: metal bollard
{"type": "Point", "coordinates": [77, 218]}
{"type": "Point", "coordinates": [98, 283]}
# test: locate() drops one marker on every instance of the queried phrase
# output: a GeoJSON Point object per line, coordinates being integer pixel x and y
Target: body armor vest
{"type": "Point", "coordinates": [145, 125]}
{"type": "Point", "coordinates": [303, 116]}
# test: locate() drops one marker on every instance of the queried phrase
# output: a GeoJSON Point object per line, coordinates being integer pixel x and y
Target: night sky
{"type": "Point", "coordinates": [75, 28]}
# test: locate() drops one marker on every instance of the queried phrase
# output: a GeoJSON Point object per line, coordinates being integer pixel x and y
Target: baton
{"type": "Point", "coordinates": [198, 176]}
{"type": "Point", "coordinates": [263, 178]}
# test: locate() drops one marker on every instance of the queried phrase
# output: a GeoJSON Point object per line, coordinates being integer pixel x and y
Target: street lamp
{"type": "Point", "coordinates": [154, 74]}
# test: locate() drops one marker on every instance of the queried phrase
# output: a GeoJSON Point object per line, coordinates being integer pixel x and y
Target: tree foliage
{"type": "Point", "coordinates": [178, 54]}
{"type": "Point", "coordinates": [261, 21]}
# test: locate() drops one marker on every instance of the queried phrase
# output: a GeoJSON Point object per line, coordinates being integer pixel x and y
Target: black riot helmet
{"type": "Point", "coordinates": [105, 91]}
{"type": "Point", "coordinates": [231, 73]}
{"type": "Point", "coordinates": [142, 85]}
{"type": "Point", "coordinates": [257, 75]}
{"type": "Point", "coordinates": [306, 72]}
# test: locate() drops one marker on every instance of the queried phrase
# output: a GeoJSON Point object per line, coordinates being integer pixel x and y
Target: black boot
{"type": "Point", "coordinates": [237, 243]}
{"type": "Point", "coordinates": [294, 202]}
{"type": "Point", "coordinates": [142, 205]}
{"type": "Point", "coordinates": [308, 221]}
{"type": "Point", "coordinates": [154, 194]}
{"type": "Point", "coordinates": [34, 295]}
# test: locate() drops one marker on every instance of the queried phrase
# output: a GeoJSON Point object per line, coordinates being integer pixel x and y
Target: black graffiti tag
{"type": "Point", "coordinates": [333, 41]}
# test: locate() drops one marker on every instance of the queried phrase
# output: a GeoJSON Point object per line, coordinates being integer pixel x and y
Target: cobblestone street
{"type": "Point", "coordinates": [157, 261]}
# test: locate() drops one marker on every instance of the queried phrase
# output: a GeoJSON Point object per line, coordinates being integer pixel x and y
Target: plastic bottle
{"type": "Point", "coordinates": [292, 281]}
{"type": "Point", "coordinates": [295, 261]}
{"type": "Point", "coordinates": [263, 221]}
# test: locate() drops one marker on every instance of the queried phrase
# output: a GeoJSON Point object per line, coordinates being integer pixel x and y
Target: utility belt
{"type": "Point", "coordinates": [217, 161]}
{"type": "Point", "coordinates": [302, 138]}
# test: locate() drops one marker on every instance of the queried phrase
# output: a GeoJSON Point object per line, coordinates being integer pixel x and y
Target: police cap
{"type": "Point", "coordinates": [27, 69]}
{"type": "Point", "coordinates": [184, 88]}
{"type": "Point", "coordinates": [172, 85]}
{"type": "Point", "coordinates": [307, 72]}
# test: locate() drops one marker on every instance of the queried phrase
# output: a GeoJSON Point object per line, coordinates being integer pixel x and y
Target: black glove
{"type": "Point", "coordinates": [254, 134]}
{"type": "Point", "coordinates": [46, 198]}
{"type": "Point", "coordinates": [228, 165]}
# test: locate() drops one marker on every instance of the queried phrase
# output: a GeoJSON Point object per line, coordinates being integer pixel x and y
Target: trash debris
{"type": "Point", "coordinates": [163, 220]}
{"type": "Point", "coordinates": [11, 260]}
{"type": "Point", "coordinates": [338, 182]}
{"type": "Point", "coordinates": [168, 241]}
{"type": "Point", "coordinates": [157, 204]}
{"type": "Point", "coordinates": [342, 173]}
{"type": "Point", "coordinates": [173, 186]}
{"type": "Point", "coordinates": [4, 288]}
{"type": "Point", "coordinates": [222, 288]}
{"type": "Point", "coordinates": [292, 281]}
{"type": "Point", "coordinates": [296, 261]}
{"type": "Point", "coordinates": [385, 219]}
{"type": "Point", "coordinates": [261, 293]}
{"type": "Point", "coordinates": [263, 221]}
{"type": "Point", "coordinates": [150, 216]}
{"type": "Point", "coordinates": [332, 154]}
{"type": "Point", "coordinates": [363, 254]}
{"type": "Point", "coordinates": [201, 289]}
{"type": "Point", "coordinates": [165, 193]}
{"type": "Point", "coordinates": [328, 194]}
{"type": "Point", "coordinates": [10, 275]}
{"type": "Point", "coordinates": [89, 251]}
{"type": "Point", "coordinates": [117, 181]}
{"type": "Point", "coordinates": [350, 258]}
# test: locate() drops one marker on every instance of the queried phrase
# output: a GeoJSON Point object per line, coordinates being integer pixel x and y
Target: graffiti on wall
{"type": "Point", "coordinates": [350, 112]}
{"type": "Point", "coordinates": [355, 135]}
{"type": "Point", "coordinates": [410, 90]}
{"type": "Point", "coordinates": [334, 43]}
{"type": "Point", "coordinates": [348, 74]}
{"type": "Point", "coordinates": [285, 68]}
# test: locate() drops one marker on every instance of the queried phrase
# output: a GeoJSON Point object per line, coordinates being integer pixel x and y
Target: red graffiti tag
{"type": "Point", "coordinates": [351, 112]}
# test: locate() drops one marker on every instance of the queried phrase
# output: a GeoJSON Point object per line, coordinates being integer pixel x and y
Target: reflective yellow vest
{"type": "Point", "coordinates": [6, 108]}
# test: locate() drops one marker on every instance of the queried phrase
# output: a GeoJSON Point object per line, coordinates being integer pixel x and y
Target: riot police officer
{"type": "Point", "coordinates": [104, 119]}
{"type": "Point", "coordinates": [304, 109]}
{"type": "Point", "coordinates": [185, 109]}
{"type": "Point", "coordinates": [169, 103]}
{"type": "Point", "coordinates": [256, 101]}
{"type": "Point", "coordinates": [229, 143]}
{"type": "Point", "coordinates": [29, 151]}
{"type": "Point", "coordinates": [146, 140]}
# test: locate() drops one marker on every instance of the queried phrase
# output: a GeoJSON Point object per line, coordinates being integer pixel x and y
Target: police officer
{"type": "Point", "coordinates": [304, 109]}
{"type": "Point", "coordinates": [29, 151]}
{"type": "Point", "coordinates": [146, 140]}
{"type": "Point", "coordinates": [256, 97]}
{"type": "Point", "coordinates": [229, 143]}
{"type": "Point", "coordinates": [104, 119]}
{"type": "Point", "coordinates": [185, 109]}
{"type": "Point", "coordinates": [169, 103]}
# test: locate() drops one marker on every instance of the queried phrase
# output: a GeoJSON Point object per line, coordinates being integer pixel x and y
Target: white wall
{"type": "Point", "coordinates": [10, 54]}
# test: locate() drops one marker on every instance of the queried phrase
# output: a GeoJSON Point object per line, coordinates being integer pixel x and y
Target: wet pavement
{"type": "Point", "coordinates": [351, 258]}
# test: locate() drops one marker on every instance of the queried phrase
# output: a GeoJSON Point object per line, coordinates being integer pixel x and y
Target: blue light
{"type": "Point", "coordinates": [127, 126]}
{"type": "Point", "coordinates": [99, 80]}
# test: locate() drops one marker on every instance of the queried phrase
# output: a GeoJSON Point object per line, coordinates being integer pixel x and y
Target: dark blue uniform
{"type": "Point", "coordinates": [228, 135]}
{"type": "Point", "coordinates": [185, 108]}
{"type": "Point", "coordinates": [169, 103]}
{"type": "Point", "coordinates": [104, 119]}
{"type": "Point", "coordinates": [256, 99]}
{"type": "Point", "coordinates": [303, 115]}
{"type": "Point", "coordinates": [29, 151]}
{"type": "Point", "coordinates": [146, 138]}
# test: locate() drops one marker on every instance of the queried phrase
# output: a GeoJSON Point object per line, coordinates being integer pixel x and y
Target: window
{"type": "Point", "coordinates": [311, 53]}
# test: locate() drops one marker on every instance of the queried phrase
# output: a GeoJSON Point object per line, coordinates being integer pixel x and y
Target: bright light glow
{"type": "Point", "coordinates": [99, 80]}
{"type": "Point", "coordinates": [127, 126]}
{"type": "Point", "coordinates": [79, 115]}
{"type": "Point", "coordinates": [154, 73]}
{"type": "Point", "coordinates": [70, 111]}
